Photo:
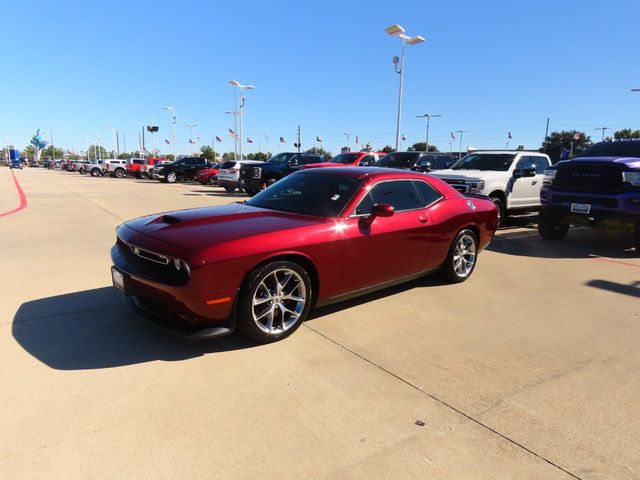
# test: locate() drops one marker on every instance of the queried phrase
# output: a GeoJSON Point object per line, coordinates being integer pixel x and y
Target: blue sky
{"type": "Point", "coordinates": [488, 67]}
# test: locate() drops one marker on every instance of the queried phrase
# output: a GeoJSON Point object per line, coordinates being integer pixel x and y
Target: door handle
{"type": "Point", "coordinates": [534, 182]}
{"type": "Point", "coordinates": [423, 218]}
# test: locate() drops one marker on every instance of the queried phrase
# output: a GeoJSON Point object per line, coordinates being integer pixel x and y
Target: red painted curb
{"type": "Point", "coordinates": [23, 197]}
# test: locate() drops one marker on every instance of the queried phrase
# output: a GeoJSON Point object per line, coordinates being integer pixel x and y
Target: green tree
{"type": "Point", "coordinates": [208, 153]}
{"type": "Point", "coordinates": [95, 150]}
{"type": "Point", "coordinates": [388, 149]}
{"type": "Point", "coordinates": [228, 156]}
{"type": "Point", "coordinates": [320, 151]}
{"type": "Point", "coordinates": [29, 152]}
{"type": "Point", "coordinates": [558, 141]}
{"type": "Point", "coordinates": [420, 147]}
{"type": "Point", "coordinates": [52, 152]}
{"type": "Point", "coordinates": [626, 133]}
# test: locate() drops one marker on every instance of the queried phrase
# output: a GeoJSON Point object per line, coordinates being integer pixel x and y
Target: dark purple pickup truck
{"type": "Point", "coordinates": [601, 187]}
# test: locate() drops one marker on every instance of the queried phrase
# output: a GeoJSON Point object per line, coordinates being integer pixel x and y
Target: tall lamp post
{"type": "Point", "coordinates": [241, 87]}
{"type": "Point", "coordinates": [235, 133]}
{"type": "Point", "coordinates": [191, 126]}
{"type": "Point", "coordinates": [348, 135]}
{"type": "Point", "coordinates": [460, 150]}
{"type": "Point", "coordinates": [603, 130]}
{"type": "Point", "coordinates": [428, 116]}
{"type": "Point", "coordinates": [398, 63]}
{"type": "Point", "coordinates": [173, 115]}
{"type": "Point", "coordinates": [113, 134]}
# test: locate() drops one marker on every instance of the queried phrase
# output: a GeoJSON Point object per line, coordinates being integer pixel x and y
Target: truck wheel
{"type": "Point", "coordinates": [95, 172]}
{"type": "Point", "coordinates": [212, 180]}
{"type": "Point", "coordinates": [144, 175]}
{"type": "Point", "coordinates": [502, 211]}
{"type": "Point", "coordinates": [251, 192]}
{"type": "Point", "coordinates": [550, 228]}
{"type": "Point", "coordinates": [119, 173]}
{"type": "Point", "coordinates": [229, 189]}
{"type": "Point", "coordinates": [171, 177]}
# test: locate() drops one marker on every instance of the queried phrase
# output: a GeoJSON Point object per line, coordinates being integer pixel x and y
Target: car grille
{"type": "Point", "coordinates": [250, 172]}
{"type": "Point", "coordinates": [152, 265]}
{"type": "Point", "coordinates": [458, 185]}
{"type": "Point", "coordinates": [589, 177]}
{"type": "Point", "coordinates": [595, 201]}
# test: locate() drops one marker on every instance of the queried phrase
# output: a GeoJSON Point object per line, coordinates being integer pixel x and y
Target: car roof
{"type": "Point", "coordinates": [510, 152]}
{"type": "Point", "coordinates": [361, 173]}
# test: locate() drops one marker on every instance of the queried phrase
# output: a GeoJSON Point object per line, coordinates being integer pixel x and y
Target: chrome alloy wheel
{"type": "Point", "coordinates": [278, 301]}
{"type": "Point", "coordinates": [464, 256]}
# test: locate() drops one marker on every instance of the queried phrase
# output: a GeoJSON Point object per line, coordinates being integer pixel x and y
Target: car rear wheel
{"type": "Point", "coordinates": [502, 211]}
{"type": "Point", "coordinates": [461, 260]}
{"type": "Point", "coordinates": [119, 173]}
{"type": "Point", "coordinates": [251, 192]}
{"type": "Point", "coordinates": [274, 302]}
{"type": "Point", "coordinates": [171, 177]}
{"type": "Point", "coordinates": [550, 228]}
{"type": "Point", "coordinates": [95, 172]}
{"type": "Point", "coordinates": [229, 189]}
{"type": "Point", "coordinates": [212, 180]}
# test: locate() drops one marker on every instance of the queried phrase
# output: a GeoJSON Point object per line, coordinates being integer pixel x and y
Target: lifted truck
{"type": "Point", "coordinates": [257, 176]}
{"type": "Point", "coordinates": [599, 188]}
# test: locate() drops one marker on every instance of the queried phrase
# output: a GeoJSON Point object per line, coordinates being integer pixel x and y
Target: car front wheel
{"type": "Point", "coordinates": [229, 189]}
{"type": "Point", "coordinates": [171, 177]}
{"type": "Point", "coordinates": [502, 211]}
{"type": "Point", "coordinates": [550, 228]}
{"type": "Point", "coordinates": [461, 260]}
{"type": "Point", "coordinates": [274, 302]}
{"type": "Point", "coordinates": [95, 172]}
{"type": "Point", "coordinates": [119, 173]}
{"type": "Point", "coordinates": [212, 180]}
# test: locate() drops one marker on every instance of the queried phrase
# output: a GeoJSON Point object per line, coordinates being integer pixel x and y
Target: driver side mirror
{"type": "Point", "coordinates": [524, 172]}
{"type": "Point", "coordinates": [378, 210]}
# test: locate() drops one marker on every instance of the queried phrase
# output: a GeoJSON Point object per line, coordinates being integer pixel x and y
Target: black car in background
{"type": "Point", "coordinates": [416, 161]}
{"type": "Point", "coordinates": [184, 168]}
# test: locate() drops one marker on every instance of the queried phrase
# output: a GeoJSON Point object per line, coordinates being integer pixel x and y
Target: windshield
{"type": "Point", "coordinates": [228, 165]}
{"type": "Point", "coordinates": [499, 162]}
{"type": "Point", "coordinates": [308, 193]}
{"type": "Point", "coordinates": [624, 148]}
{"type": "Point", "coordinates": [280, 158]}
{"type": "Point", "coordinates": [344, 158]}
{"type": "Point", "coordinates": [398, 160]}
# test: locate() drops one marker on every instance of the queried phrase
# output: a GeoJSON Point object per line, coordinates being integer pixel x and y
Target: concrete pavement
{"type": "Point", "coordinates": [528, 370]}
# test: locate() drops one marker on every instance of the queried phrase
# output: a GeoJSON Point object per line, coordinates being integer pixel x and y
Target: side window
{"type": "Point", "coordinates": [365, 205]}
{"type": "Point", "coordinates": [443, 162]}
{"type": "Point", "coordinates": [541, 164]}
{"type": "Point", "coordinates": [401, 194]}
{"type": "Point", "coordinates": [426, 160]}
{"type": "Point", "coordinates": [524, 162]}
{"type": "Point", "coordinates": [428, 194]}
{"type": "Point", "coordinates": [293, 161]}
{"type": "Point", "coordinates": [367, 160]}
{"type": "Point", "coordinates": [189, 161]}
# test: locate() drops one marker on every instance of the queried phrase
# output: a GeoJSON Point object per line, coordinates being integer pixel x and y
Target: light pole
{"type": "Point", "coordinates": [113, 134]}
{"type": "Point", "coordinates": [235, 133]}
{"type": "Point", "coordinates": [99, 153]}
{"type": "Point", "coordinates": [603, 130]}
{"type": "Point", "coordinates": [267, 139]}
{"type": "Point", "coordinates": [428, 116]}
{"type": "Point", "coordinates": [175, 147]}
{"type": "Point", "coordinates": [241, 87]}
{"type": "Point", "coordinates": [348, 135]}
{"type": "Point", "coordinates": [460, 150]}
{"type": "Point", "coordinates": [398, 63]}
{"type": "Point", "coordinates": [191, 126]}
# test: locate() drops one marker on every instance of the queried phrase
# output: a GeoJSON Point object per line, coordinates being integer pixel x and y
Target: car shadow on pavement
{"type": "Point", "coordinates": [94, 329]}
{"type": "Point", "coordinates": [632, 289]}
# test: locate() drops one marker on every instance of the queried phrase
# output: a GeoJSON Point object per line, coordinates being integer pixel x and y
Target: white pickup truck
{"type": "Point", "coordinates": [512, 179]}
{"type": "Point", "coordinates": [115, 167]}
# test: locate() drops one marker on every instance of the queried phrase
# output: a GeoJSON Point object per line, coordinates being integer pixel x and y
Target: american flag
{"type": "Point", "coordinates": [453, 136]}
{"type": "Point", "coordinates": [318, 139]}
{"type": "Point", "coordinates": [232, 133]}
{"type": "Point", "coordinates": [218, 139]}
{"type": "Point", "coordinates": [282, 140]}
{"type": "Point", "coordinates": [191, 140]}
{"type": "Point", "coordinates": [167, 141]}
{"type": "Point", "coordinates": [509, 136]}
{"type": "Point", "coordinates": [404, 138]}
{"type": "Point", "coordinates": [249, 140]}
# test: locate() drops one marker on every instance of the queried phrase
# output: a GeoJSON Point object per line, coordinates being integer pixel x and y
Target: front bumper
{"type": "Point", "coordinates": [621, 207]}
{"type": "Point", "coordinates": [180, 308]}
{"type": "Point", "coordinates": [251, 183]}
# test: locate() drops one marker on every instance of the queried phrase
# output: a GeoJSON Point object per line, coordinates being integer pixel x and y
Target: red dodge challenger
{"type": "Point", "coordinates": [316, 237]}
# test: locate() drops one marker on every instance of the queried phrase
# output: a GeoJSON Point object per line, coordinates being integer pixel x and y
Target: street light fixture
{"type": "Point", "coordinates": [348, 135]}
{"type": "Point", "coordinates": [191, 126]}
{"type": "Point", "coordinates": [398, 62]}
{"type": "Point", "coordinates": [239, 86]}
{"type": "Point", "coordinates": [603, 130]}
{"type": "Point", "coordinates": [428, 116]}
{"type": "Point", "coordinates": [173, 115]}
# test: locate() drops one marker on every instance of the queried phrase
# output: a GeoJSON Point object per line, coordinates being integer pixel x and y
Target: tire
{"type": "Point", "coordinates": [211, 180]}
{"type": "Point", "coordinates": [171, 177]}
{"type": "Point", "coordinates": [274, 317]}
{"type": "Point", "coordinates": [144, 175]}
{"type": "Point", "coordinates": [119, 173]}
{"type": "Point", "coordinates": [502, 210]}
{"type": "Point", "coordinates": [462, 257]}
{"type": "Point", "coordinates": [95, 172]}
{"type": "Point", "coordinates": [251, 192]}
{"type": "Point", "coordinates": [229, 189]}
{"type": "Point", "coordinates": [550, 228]}
{"type": "Point", "coordinates": [138, 175]}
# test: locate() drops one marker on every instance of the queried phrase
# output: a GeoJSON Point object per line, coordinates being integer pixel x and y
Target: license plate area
{"type": "Point", "coordinates": [119, 280]}
{"type": "Point", "coordinates": [580, 208]}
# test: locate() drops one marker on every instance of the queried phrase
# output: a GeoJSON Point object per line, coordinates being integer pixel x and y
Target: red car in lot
{"type": "Point", "coordinates": [316, 237]}
{"type": "Point", "coordinates": [349, 159]}
{"type": "Point", "coordinates": [208, 175]}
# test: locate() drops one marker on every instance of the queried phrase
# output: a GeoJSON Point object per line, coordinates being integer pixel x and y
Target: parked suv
{"type": "Point", "coordinates": [600, 187]}
{"type": "Point", "coordinates": [229, 173]}
{"type": "Point", "coordinates": [417, 161]}
{"type": "Point", "coordinates": [511, 179]}
{"type": "Point", "coordinates": [182, 169]}
{"type": "Point", "coordinates": [256, 177]}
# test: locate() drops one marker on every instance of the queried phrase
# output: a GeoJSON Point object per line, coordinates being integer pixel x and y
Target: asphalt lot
{"type": "Point", "coordinates": [527, 371]}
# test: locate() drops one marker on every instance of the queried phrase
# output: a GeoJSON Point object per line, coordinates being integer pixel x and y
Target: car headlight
{"type": "Point", "coordinates": [181, 265]}
{"type": "Point", "coordinates": [476, 186]}
{"type": "Point", "coordinates": [549, 175]}
{"type": "Point", "coordinates": [631, 177]}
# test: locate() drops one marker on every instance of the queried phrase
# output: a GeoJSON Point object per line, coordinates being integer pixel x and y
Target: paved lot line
{"type": "Point", "coordinates": [23, 197]}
